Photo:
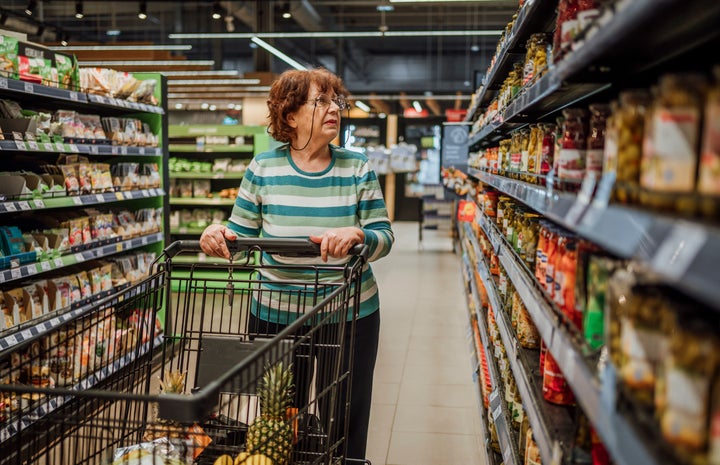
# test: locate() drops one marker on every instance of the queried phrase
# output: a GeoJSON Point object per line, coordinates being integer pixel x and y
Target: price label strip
{"type": "Point", "coordinates": [679, 249]}
{"type": "Point", "coordinates": [583, 199]}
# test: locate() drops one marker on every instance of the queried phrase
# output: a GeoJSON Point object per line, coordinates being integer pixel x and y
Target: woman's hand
{"type": "Point", "coordinates": [212, 241]}
{"type": "Point", "coordinates": [337, 242]}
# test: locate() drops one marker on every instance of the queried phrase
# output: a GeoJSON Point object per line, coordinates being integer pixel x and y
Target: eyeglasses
{"type": "Point", "coordinates": [325, 101]}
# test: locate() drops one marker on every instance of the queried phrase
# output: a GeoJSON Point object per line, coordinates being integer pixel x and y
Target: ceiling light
{"type": "Point", "coordinates": [279, 54]}
{"type": "Point", "coordinates": [334, 34]}
{"type": "Point", "coordinates": [113, 32]}
{"type": "Point", "coordinates": [31, 7]}
{"type": "Point", "coordinates": [362, 105]}
{"type": "Point", "coordinates": [217, 11]}
{"type": "Point", "coordinates": [142, 12]}
{"type": "Point", "coordinates": [64, 40]}
{"type": "Point", "coordinates": [231, 106]}
{"type": "Point", "coordinates": [435, 1]}
{"type": "Point", "coordinates": [385, 8]}
{"type": "Point", "coordinates": [286, 11]}
{"type": "Point", "coordinates": [475, 48]}
{"type": "Point", "coordinates": [210, 82]}
{"type": "Point", "coordinates": [205, 106]}
{"type": "Point", "coordinates": [212, 107]}
{"type": "Point", "coordinates": [417, 106]}
{"type": "Point", "coordinates": [228, 72]}
{"type": "Point", "coordinates": [178, 106]}
{"type": "Point", "coordinates": [79, 10]}
{"type": "Point", "coordinates": [91, 48]}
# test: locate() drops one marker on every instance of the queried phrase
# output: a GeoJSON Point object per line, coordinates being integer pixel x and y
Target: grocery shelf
{"type": "Point", "coordinates": [88, 149]}
{"type": "Point", "coordinates": [622, 440]}
{"type": "Point", "coordinates": [25, 89]}
{"type": "Point", "coordinates": [52, 403]}
{"type": "Point", "coordinates": [200, 201]}
{"type": "Point", "coordinates": [220, 175]}
{"type": "Point", "coordinates": [534, 16]}
{"type": "Point", "coordinates": [40, 326]}
{"type": "Point", "coordinates": [552, 426]}
{"type": "Point", "coordinates": [63, 261]}
{"type": "Point", "coordinates": [210, 148]}
{"type": "Point", "coordinates": [683, 252]}
{"type": "Point", "coordinates": [77, 200]}
{"type": "Point", "coordinates": [498, 407]}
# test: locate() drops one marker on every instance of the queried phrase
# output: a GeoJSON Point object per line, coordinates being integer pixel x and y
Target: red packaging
{"type": "Point", "coordinates": [598, 452]}
{"type": "Point", "coordinates": [565, 281]}
{"type": "Point", "coordinates": [555, 387]}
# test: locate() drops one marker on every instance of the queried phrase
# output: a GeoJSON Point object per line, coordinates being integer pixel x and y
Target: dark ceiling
{"type": "Point", "coordinates": [384, 65]}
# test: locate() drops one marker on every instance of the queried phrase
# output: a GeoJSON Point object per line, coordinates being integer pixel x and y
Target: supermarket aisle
{"type": "Point", "coordinates": [424, 401]}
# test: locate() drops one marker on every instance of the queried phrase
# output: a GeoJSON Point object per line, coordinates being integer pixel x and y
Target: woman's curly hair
{"type": "Point", "coordinates": [290, 91]}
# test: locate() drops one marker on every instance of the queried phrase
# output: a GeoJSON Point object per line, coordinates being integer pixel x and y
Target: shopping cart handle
{"type": "Point", "coordinates": [274, 245]}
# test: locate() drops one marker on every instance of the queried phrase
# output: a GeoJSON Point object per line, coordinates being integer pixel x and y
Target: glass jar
{"type": "Point", "coordinates": [540, 254]}
{"type": "Point", "coordinates": [596, 138]}
{"type": "Point", "coordinates": [533, 154]}
{"type": "Point", "coordinates": [524, 151]}
{"type": "Point", "coordinates": [623, 150]}
{"type": "Point", "coordinates": [509, 222]}
{"type": "Point", "coordinates": [540, 58]}
{"type": "Point", "coordinates": [571, 157]}
{"type": "Point", "coordinates": [515, 152]}
{"type": "Point", "coordinates": [528, 248]}
{"type": "Point", "coordinates": [709, 174]}
{"type": "Point", "coordinates": [670, 144]}
{"type": "Point", "coordinates": [547, 152]}
{"type": "Point", "coordinates": [504, 156]}
{"type": "Point", "coordinates": [529, 66]}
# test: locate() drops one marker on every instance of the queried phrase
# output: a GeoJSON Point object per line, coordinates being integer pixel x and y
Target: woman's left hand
{"type": "Point", "coordinates": [337, 242]}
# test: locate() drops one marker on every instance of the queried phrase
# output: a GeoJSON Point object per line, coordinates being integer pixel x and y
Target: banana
{"type": "Point", "coordinates": [256, 459]}
{"type": "Point", "coordinates": [223, 460]}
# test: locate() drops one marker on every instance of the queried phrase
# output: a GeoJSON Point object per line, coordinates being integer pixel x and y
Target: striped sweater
{"type": "Point", "coordinates": [277, 199]}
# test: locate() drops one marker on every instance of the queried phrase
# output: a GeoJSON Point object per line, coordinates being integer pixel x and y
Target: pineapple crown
{"type": "Point", "coordinates": [174, 382]}
{"type": "Point", "coordinates": [276, 389]}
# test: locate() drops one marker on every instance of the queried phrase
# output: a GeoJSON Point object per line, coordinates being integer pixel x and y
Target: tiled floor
{"type": "Point", "coordinates": [424, 400]}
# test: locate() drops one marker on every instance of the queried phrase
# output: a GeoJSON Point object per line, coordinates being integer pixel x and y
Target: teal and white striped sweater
{"type": "Point", "coordinates": [277, 199]}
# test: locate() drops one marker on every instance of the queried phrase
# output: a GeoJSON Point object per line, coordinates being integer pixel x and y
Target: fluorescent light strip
{"type": "Point", "coordinates": [279, 54]}
{"type": "Point", "coordinates": [90, 48]}
{"type": "Point", "coordinates": [211, 95]}
{"type": "Point", "coordinates": [149, 63]}
{"type": "Point", "coordinates": [334, 34]}
{"type": "Point", "coordinates": [219, 82]}
{"type": "Point", "coordinates": [417, 106]}
{"type": "Point", "coordinates": [362, 105]}
{"type": "Point", "coordinates": [437, 1]}
{"type": "Point", "coordinates": [204, 73]}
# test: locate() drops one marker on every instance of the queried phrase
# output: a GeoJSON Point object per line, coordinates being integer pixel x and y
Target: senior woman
{"type": "Point", "coordinates": [311, 188]}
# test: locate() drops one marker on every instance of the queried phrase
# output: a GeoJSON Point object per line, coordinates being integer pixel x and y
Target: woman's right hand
{"type": "Point", "coordinates": [213, 240]}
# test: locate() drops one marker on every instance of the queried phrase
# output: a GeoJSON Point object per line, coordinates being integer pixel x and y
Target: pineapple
{"type": "Point", "coordinates": [270, 434]}
{"type": "Point", "coordinates": [174, 383]}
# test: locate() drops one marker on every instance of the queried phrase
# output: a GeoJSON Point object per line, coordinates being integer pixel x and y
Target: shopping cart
{"type": "Point", "coordinates": [88, 390]}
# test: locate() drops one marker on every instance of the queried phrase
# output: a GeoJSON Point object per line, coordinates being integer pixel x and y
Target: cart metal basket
{"type": "Point", "coordinates": [87, 391]}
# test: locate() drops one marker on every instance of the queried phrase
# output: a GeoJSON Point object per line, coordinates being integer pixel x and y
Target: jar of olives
{"type": "Point", "coordinates": [571, 158]}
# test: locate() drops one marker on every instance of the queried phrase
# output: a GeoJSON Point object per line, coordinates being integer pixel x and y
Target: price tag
{"type": "Point", "coordinates": [24, 205]}
{"type": "Point", "coordinates": [73, 96]}
{"type": "Point", "coordinates": [26, 334]}
{"type": "Point", "coordinates": [94, 149]}
{"type": "Point", "coordinates": [141, 150]}
{"type": "Point", "coordinates": [74, 148]}
{"type": "Point", "coordinates": [123, 150]}
{"type": "Point", "coordinates": [497, 412]}
{"type": "Point", "coordinates": [16, 273]}
{"type": "Point", "coordinates": [113, 150]}
{"type": "Point", "coordinates": [119, 247]}
{"type": "Point", "coordinates": [507, 454]}
{"type": "Point", "coordinates": [31, 269]}
{"type": "Point", "coordinates": [79, 257]}
{"type": "Point", "coordinates": [3, 83]}
{"type": "Point", "coordinates": [45, 266]}
{"type": "Point", "coordinates": [20, 145]}
{"type": "Point", "coordinates": [582, 200]}
{"type": "Point", "coordinates": [153, 192]}
{"type": "Point", "coordinates": [33, 145]}
{"type": "Point", "coordinates": [119, 195]}
{"type": "Point", "coordinates": [12, 339]}
{"type": "Point", "coordinates": [77, 200]}
{"type": "Point", "coordinates": [29, 87]}
{"type": "Point", "coordinates": [677, 252]}
{"type": "Point", "coordinates": [60, 146]}
{"type": "Point", "coordinates": [58, 262]}
{"type": "Point", "coordinates": [10, 206]}
{"type": "Point", "coordinates": [48, 146]}
{"type": "Point", "coordinates": [144, 240]}
{"type": "Point", "coordinates": [39, 203]}
{"type": "Point", "coordinates": [100, 198]}
{"type": "Point", "coordinates": [145, 193]}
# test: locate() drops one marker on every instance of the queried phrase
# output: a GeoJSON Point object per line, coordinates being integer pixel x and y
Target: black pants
{"type": "Point", "coordinates": [367, 334]}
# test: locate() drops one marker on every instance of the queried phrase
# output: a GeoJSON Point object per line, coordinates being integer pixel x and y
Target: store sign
{"type": "Point", "coordinates": [455, 146]}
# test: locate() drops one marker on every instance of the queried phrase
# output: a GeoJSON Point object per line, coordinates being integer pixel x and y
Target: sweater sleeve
{"type": "Point", "coordinates": [373, 214]}
{"type": "Point", "coordinates": [246, 216]}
